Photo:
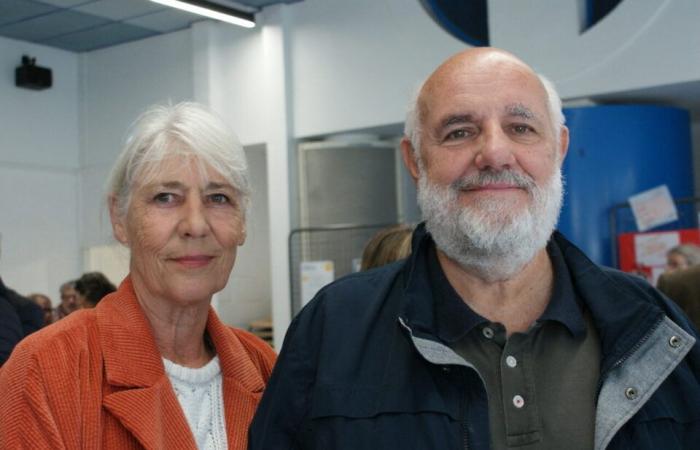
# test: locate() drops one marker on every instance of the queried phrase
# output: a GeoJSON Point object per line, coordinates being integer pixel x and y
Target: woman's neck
{"type": "Point", "coordinates": [179, 330]}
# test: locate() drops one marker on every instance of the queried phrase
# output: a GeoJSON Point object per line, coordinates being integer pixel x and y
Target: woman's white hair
{"type": "Point", "coordinates": [185, 129]}
{"type": "Point", "coordinates": [414, 115]}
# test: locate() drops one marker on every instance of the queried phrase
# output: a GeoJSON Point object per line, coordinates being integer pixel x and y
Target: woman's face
{"type": "Point", "coordinates": [675, 261]}
{"type": "Point", "coordinates": [183, 230]}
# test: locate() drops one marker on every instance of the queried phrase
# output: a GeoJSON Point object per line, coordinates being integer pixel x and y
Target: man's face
{"type": "Point", "coordinates": [69, 299]}
{"type": "Point", "coordinates": [488, 120]}
{"type": "Point", "coordinates": [488, 170]}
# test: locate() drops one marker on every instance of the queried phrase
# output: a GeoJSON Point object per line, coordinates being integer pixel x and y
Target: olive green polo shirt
{"type": "Point", "coordinates": [541, 384]}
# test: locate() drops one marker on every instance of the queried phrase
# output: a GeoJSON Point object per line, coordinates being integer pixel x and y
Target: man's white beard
{"type": "Point", "coordinates": [492, 237]}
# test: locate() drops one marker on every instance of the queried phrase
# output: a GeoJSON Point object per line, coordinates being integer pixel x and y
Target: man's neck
{"type": "Point", "coordinates": [516, 303]}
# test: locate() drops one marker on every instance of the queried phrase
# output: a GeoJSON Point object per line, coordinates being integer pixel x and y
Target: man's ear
{"type": "Point", "coordinates": [409, 158]}
{"type": "Point", "coordinates": [563, 142]}
{"type": "Point", "coordinates": [118, 225]}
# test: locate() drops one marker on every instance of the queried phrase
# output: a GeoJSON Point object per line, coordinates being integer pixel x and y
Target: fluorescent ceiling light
{"type": "Point", "coordinates": [212, 10]}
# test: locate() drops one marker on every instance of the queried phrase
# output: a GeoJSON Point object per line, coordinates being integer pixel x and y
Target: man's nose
{"type": "Point", "coordinates": [495, 151]}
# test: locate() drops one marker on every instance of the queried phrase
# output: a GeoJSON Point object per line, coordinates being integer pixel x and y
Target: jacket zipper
{"type": "Point", "coordinates": [465, 422]}
{"type": "Point", "coordinates": [629, 353]}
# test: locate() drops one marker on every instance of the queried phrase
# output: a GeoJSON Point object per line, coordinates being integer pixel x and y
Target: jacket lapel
{"type": "Point", "coordinates": [138, 393]}
{"type": "Point", "coordinates": [242, 382]}
{"type": "Point", "coordinates": [153, 415]}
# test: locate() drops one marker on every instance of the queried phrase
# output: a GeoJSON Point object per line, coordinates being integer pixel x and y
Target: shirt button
{"type": "Point", "coordinates": [511, 361]}
{"type": "Point", "coordinates": [488, 332]}
{"type": "Point", "coordinates": [631, 393]}
{"type": "Point", "coordinates": [518, 401]}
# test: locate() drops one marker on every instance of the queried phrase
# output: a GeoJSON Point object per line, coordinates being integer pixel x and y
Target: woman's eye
{"type": "Point", "coordinates": [164, 198]}
{"type": "Point", "coordinates": [219, 199]}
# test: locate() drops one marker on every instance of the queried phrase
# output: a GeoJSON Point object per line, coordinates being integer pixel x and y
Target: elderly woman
{"type": "Point", "coordinates": [151, 366]}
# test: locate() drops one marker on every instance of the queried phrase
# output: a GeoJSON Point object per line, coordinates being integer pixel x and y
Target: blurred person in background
{"type": "Point", "coordinates": [386, 246]}
{"type": "Point", "coordinates": [19, 317]}
{"type": "Point", "coordinates": [44, 302]}
{"type": "Point", "coordinates": [10, 329]}
{"type": "Point", "coordinates": [69, 300]}
{"type": "Point", "coordinates": [152, 365]}
{"type": "Point", "coordinates": [683, 287]}
{"type": "Point", "coordinates": [682, 256]}
{"type": "Point", "coordinates": [91, 288]}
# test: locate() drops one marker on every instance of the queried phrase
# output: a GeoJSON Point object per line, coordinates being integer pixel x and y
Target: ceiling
{"type": "Point", "coordinates": [84, 25]}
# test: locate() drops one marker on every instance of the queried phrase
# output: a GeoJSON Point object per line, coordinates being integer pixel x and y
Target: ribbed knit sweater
{"type": "Point", "coordinates": [199, 393]}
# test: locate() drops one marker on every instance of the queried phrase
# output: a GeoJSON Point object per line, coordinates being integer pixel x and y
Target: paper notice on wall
{"type": "Point", "coordinates": [653, 208]}
{"type": "Point", "coordinates": [315, 275]}
{"type": "Point", "coordinates": [650, 249]}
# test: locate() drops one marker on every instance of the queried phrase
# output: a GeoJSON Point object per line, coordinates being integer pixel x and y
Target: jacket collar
{"type": "Point", "coordinates": [622, 314]}
{"type": "Point", "coordinates": [134, 364]}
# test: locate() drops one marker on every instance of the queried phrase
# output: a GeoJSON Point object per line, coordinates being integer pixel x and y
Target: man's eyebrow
{"type": "Point", "coordinates": [456, 119]}
{"type": "Point", "coordinates": [521, 111]}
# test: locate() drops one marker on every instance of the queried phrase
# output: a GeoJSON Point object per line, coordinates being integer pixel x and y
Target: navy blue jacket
{"type": "Point", "coordinates": [361, 367]}
{"type": "Point", "coordinates": [10, 329]}
{"type": "Point", "coordinates": [19, 316]}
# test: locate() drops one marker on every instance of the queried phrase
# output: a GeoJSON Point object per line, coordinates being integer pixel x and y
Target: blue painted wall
{"type": "Point", "coordinates": [615, 152]}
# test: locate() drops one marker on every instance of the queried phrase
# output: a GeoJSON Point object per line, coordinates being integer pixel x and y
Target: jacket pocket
{"type": "Point", "coordinates": [386, 417]}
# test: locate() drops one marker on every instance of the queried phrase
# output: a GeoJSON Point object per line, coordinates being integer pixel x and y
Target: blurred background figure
{"type": "Point", "coordinates": [683, 287]}
{"type": "Point", "coordinates": [91, 287]}
{"type": "Point", "coordinates": [19, 317]}
{"type": "Point", "coordinates": [44, 303]}
{"type": "Point", "coordinates": [10, 329]}
{"type": "Point", "coordinates": [388, 245]}
{"type": "Point", "coordinates": [682, 256]}
{"type": "Point", "coordinates": [69, 300]}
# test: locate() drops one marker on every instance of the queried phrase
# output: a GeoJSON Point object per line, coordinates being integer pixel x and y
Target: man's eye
{"type": "Point", "coordinates": [458, 134]}
{"type": "Point", "coordinates": [522, 129]}
{"type": "Point", "coordinates": [219, 199]}
{"type": "Point", "coordinates": [164, 198]}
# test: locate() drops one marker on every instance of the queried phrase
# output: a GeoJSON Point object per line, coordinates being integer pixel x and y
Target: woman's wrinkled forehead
{"type": "Point", "coordinates": [175, 168]}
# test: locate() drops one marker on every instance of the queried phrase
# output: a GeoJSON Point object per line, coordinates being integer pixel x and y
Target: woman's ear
{"type": "Point", "coordinates": [117, 219]}
{"type": "Point", "coordinates": [244, 234]}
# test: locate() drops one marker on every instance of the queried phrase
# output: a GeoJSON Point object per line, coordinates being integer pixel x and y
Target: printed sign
{"type": "Point", "coordinates": [315, 275]}
{"type": "Point", "coordinates": [653, 208]}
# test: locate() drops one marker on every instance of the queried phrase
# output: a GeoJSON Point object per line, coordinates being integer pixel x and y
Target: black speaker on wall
{"type": "Point", "coordinates": [31, 76]}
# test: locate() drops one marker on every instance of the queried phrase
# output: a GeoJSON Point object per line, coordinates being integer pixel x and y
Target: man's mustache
{"type": "Point", "coordinates": [486, 177]}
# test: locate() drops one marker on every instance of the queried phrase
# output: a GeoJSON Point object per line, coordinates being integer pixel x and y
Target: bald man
{"type": "Point", "coordinates": [496, 332]}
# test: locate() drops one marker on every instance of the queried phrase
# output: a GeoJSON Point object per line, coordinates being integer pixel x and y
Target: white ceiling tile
{"type": "Point", "coordinates": [165, 21]}
{"type": "Point", "coordinates": [120, 9]}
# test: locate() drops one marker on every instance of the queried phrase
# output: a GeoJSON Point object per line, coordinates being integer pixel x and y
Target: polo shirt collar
{"type": "Point", "coordinates": [454, 319]}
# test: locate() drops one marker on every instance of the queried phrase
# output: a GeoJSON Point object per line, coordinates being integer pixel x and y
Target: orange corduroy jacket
{"type": "Point", "coordinates": [96, 380]}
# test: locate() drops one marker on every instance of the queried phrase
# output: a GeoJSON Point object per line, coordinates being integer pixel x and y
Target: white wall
{"type": "Point", "coordinates": [248, 295]}
{"type": "Point", "coordinates": [638, 44]}
{"type": "Point", "coordinates": [39, 148]}
{"type": "Point", "coordinates": [355, 64]}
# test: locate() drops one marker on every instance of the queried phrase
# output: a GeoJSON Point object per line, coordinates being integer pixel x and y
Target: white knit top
{"type": "Point", "coordinates": [201, 398]}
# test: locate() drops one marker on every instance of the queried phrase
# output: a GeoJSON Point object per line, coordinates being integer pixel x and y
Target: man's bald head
{"type": "Point", "coordinates": [469, 65]}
